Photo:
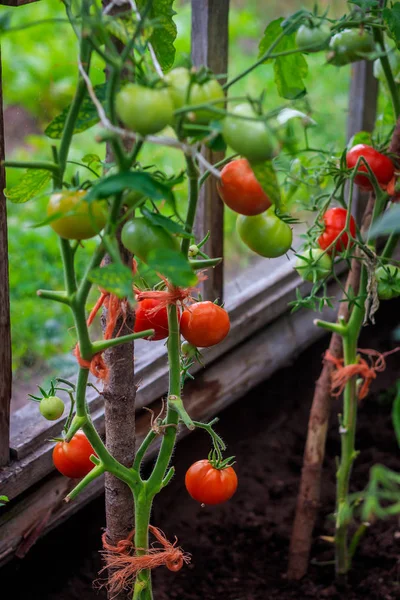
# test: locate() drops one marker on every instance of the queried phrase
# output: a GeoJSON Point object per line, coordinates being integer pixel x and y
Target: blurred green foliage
{"type": "Point", "coordinates": [39, 74]}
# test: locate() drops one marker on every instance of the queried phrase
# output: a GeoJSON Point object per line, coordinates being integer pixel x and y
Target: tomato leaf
{"type": "Point", "coordinates": [140, 181]}
{"type": "Point", "coordinates": [165, 222]}
{"type": "Point", "coordinates": [289, 70]}
{"type": "Point", "coordinates": [392, 18]}
{"type": "Point", "coordinates": [91, 159]}
{"type": "Point", "coordinates": [30, 185]}
{"type": "Point", "coordinates": [163, 37]}
{"type": "Point", "coordinates": [396, 414]}
{"type": "Point", "coordinates": [114, 278]}
{"type": "Point", "coordinates": [87, 116]}
{"type": "Point", "coordinates": [265, 174]}
{"type": "Point", "coordinates": [388, 223]}
{"type": "Point", "coordinates": [3, 500]}
{"type": "Point", "coordinates": [172, 265]}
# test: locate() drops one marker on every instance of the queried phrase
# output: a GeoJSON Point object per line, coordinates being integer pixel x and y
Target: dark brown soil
{"type": "Point", "coordinates": [239, 550]}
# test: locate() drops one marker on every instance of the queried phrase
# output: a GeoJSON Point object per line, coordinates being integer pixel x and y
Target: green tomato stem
{"type": "Point", "coordinates": [39, 164]}
{"type": "Point", "coordinates": [124, 339]}
{"type": "Point", "coordinates": [54, 295]}
{"type": "Point", "coordinates": [387, 69]}
{"type": "Point", "coordinates": [193, 174]}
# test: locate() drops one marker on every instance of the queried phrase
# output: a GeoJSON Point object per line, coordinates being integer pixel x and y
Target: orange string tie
{"type": "Point", "coordinates": [123, 564]}
{"type": "Point", "coordinates": [116, 308]}
{"type": "Point", "coordinates": [172, 295]}
{"type": "Point", "coordinates": [366, 370]}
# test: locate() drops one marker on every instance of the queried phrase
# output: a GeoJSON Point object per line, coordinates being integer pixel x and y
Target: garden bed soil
{"type": "Point", "coordinates": [239, 549]}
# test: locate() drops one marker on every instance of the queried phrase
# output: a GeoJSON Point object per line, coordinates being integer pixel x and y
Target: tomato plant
{"type": "Point", "coordinates": [145, 110]}
{"type": "Point", "coordinates": [388, 280]}
{"type": "Point", "coordinates": [204, 324]}
{"type": "Point", "coordinates": [210, 485]}
{"type": "Point", "coordinates": [149, 315]}
{"type": "Point", "coordinates": [140, 236]}
{"type": "Point", "coordinates": [265, 234]}
{"type": "Point", "coordinates": [72, 458]}
{"type": "Point", "coordinates": [350, 45]}
{"type": "Point", "coordinates": [334, 225]}
{"type": "Point", "coordinates": [240, 190]}
{"type": "Point", "coordinates": [74, 218]}
{"type": "Point", "coordinates": [248, 136]}
{"type": "Point", "coordinates": [381, 166]}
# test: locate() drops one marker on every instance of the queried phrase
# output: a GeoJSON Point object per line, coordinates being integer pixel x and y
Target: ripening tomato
{"type": "Point", "coordinates": [335, 222]}
{"type": "Point", "coordinates": [240, 190]}
{"type": "Point", "coordinates": [210, 91]}
{"type": "Point", "coordinates": [313, 39]}
{"type": "Point", "coordinates": [72, 458]}
{"type": "Point", "coordinates": [145, 110]}
{"type": "Point", "coordinates": [313, 264]}
{"type": "Point", "coordinates": [140, 237]}
{"type": "Point", "coordinates": [381, 165]}
{"type": "Point", "coordinates": [265, 234]}
{"type": "Point", "coordinates": [209, 485]}
{"type": "Point", "coordinates": [52, 408]}
{"type": "Point", "coordinates": [388, 279]}
{"type": "Point", "coordinates": [349, 45]}
{"type": "Point", "coordinates": [148, 317]}
{"type": "Point", "coordinates": [205, 324]}
{"type": "Point", "coordinates": [86, 220]}
{"type": "Point", "coordinates": [252, 139]}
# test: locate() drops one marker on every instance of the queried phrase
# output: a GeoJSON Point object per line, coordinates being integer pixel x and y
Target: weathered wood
{"type": "Point", "coordinates": [5, 326]}
{"type": "Point", "coordinates": [213, 389]}
{"type": "Point", "coordinates": [210, 48]}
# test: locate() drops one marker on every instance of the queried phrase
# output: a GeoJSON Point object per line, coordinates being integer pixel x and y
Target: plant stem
{"type": "Point", "coordinates": [142, 588]}
{"type": "Point", "coordinates": [193, 195]}
{"type": "Point", "coordinates": [44, 165]}
{"type": "Point", "coordinates": [387, 69]}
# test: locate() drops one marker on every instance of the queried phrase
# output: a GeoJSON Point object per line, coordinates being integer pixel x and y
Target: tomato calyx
{"type": "Point", "coordinates": [215, 459]}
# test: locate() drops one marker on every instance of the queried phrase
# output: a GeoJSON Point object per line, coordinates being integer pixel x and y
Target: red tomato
{"type": "Point", "coordinates": [240, 190]}
{"type": "Point", "coordinates": [335, 221]}
{"type": "Point", "coordinates": [381, 166]}
{"type": "Point", "coordinates": [209, 485]}
{"type": "Point", "coordinates": [205, 324]}
{"type": "Point", "coordinates": [147, 319]}
{"type": "Point", "coordinates": [72, 459]}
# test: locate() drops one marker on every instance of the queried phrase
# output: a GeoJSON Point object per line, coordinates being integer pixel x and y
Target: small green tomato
{"type": "Point", "coordinates": [388, 279]}
{"type": "Point", "coordinates": [313, 264]}
{"type": "Point", "coordinates": [52, 408]}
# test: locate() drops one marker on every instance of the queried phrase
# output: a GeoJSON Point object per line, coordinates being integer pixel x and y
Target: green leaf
{"type": "Point", "coordinates": [163, 37]}
{"type": "Point", "coordinates": [361, 137]}
{"type": "Point", "coordinates": [396, 414]}
{"type": "Point", "coordinates": [115, 278]}
{"type": "Point", "coordinates": [173, 265]}
{"type": "Point", "coordinates": [289, 70]}
{"type": "Point", "coordinates": [392, 18]}
{"type": "Point", "coordinates": [265, 174]}
{"type": "Point", "coordinates": [87, 116]}
{"type": "Point", "coordinates": [31, 184]}
{"type": "Point", "coordinates": [91, 159]}
{"type": "Point", "coordinates": [166, 223]}
{"type": "Point", "coordinates": [140, 181]}
{"type": "Point", "coordinates": [121, 28]}
{"type": "Point", "coordinates": [388, 223]}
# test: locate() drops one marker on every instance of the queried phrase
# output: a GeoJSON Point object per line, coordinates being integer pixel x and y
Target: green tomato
{"type": "Point", "coordinates": [52, 408]}
{"type": "Point", "coordinates": [348, 45]}
{"type": "Point", "coordinates": [313, 264]}
{"type": "Point", "coordinates": [265, 234]}
{"type": "Point", "coordinates": [313, 39]}
{"type": "Point", "coordinates": [132, 198]}
{"type": "Point", "coordinates": [86, 219]}
{"type": "Point", "coordinates": [179, 79]}
{"type": "Point", "coordinates": [140, 237]}
{"type": "Point", "coordinates": [251, 139]}
{"type": "Point", "coordinates": [388, 279]}
{"type": "Point", "coordinates": [145, 110]}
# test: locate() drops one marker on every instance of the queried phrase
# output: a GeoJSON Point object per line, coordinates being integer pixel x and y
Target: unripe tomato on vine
{"type": "Point", "coordinates": [313, 264]}
{"type": "Point", "coordinates": [381, 165]}
{"type": "Point", "coordinates": [311, 38]}
{"type": "Point", "coordinates": [72, 458]}
{"type": "Point", "coordinates": [388, 282]}
{"type": "Point", "coordinates": [52, 408]}
{"type": "Point", "coordinates": [76, 218]}
{"type": "Point", "coordinates": [248, 136]}
{"type": "Point", "coordinates": [143, 109]}
{"type": "Point", "coordinates": [265, 234]}
{"type": "Point", "coordinates": [204, 324]}
{"type": "Point", "coordinates": [349, 45]}
{"type": "Point", "coordinates": [148, 315]}
{"type": "Point", "coordinates": [210, 485]}
{"type": "Point", "coordinates": [140, 237]}
{"type": "Point", "coordinates": [334, 223]}
{"type": "Point", "coordinates": [240, 190]}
